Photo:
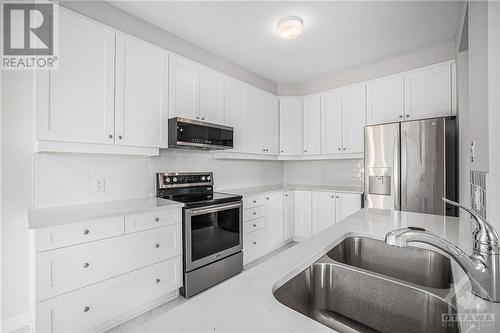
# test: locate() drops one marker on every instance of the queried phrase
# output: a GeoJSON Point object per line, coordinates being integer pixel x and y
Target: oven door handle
{"type": "Point", "coordinates": [214, 208]}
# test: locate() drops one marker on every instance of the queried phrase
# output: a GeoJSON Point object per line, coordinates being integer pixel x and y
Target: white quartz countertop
{"type": "Point", "coordinates": [246, 191]}
{"type": "Point", "coordinates": [245, 303]}
{"type": "Point", "coordinates": [52, 216]}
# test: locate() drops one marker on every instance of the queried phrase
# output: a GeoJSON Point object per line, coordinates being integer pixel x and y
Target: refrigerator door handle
{"type": "Point", "coordinates": [395, 172]}
{"type": "Point", "coordinates": [404, 148]}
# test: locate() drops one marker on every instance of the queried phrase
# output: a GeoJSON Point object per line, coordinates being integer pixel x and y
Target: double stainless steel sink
{"type": "Point", "coordinates": [365, 285]}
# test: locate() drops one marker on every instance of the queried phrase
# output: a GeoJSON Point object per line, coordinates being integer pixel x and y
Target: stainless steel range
{"type": "Point", "coordinates": [212, 229]}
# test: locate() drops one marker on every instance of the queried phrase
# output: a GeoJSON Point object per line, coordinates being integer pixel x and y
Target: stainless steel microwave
{"type": "Point", "coordinates": [195, 134]}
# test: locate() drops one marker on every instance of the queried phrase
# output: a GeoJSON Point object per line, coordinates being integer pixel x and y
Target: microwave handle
{"type": "Point", "coordinates": [214, 208]}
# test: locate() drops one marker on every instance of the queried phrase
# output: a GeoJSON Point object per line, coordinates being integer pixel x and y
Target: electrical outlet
{"type": "Point", "coordinates": [99, 185]}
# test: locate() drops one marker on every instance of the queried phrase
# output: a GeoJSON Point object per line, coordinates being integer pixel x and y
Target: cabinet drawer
{"type": "Point", "coordinates": [77, 233]}
{"type": "Point", "coordinates": [253, 243]}
{"type": "Point", "coordinates": [253, 201]}
{"type": "Point", "coordinates": [253, 213]}
{"type": "Point", "coordinates": [145, 221]}
{"type": "Point", "coordinates": [253, 225]}
{"type": "Point", "coordinates": [94, 308]}
{"type": "Point", "coordinates": [70, 268]}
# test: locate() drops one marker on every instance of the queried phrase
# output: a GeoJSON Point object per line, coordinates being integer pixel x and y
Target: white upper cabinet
{"type": "Point", "coordinates": [385, 100]}
{"type": "Point", "coordinates": [75, 103]}
{"type": "Point", "coordinates": [263, 121]}
{"type": "Point", "coordinates": [291, 126]}
{"type": "Point", "coordinates": [255, 118]}
{"type": "Point", "coordinates": [354, 121]}
{"type": "Point", "coordinates": [331, 122]}
{"type": "Point", "coordinates": [270, 126]}
{"type": "Point", "coordinates": [343, 119]}
{"type": "Point", "coordinates": [236, 113]}
{"type": "Point", "coordinates": [141, 110]}
{"type": "Point", "coordinates": [312, 124]}
{"type": "Point", "coordinates": [211, 96]}
{"type": "Point", "coordinates": [184, 98]}
{"type": "Point", "coordinates": [323, 210]}
{"type": "Point", "coordinates": [428, 91]}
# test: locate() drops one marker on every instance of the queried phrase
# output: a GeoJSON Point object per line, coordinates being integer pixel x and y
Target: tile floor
{"type": "Point", "coordinates": [129, 326]}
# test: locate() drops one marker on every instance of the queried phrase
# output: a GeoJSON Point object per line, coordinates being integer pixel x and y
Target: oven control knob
{"type": "Point", "coordinates": [175, 179]}
{"type": "Point", "coordinates": [208, 178]}
{"type": "Point", "coordinates": [203, 178]}
{"type": "Point", "coordinates": [167, 180]}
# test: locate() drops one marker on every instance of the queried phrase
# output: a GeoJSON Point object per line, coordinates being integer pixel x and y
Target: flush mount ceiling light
{"type": "Point", "coordinates": [290, 27]}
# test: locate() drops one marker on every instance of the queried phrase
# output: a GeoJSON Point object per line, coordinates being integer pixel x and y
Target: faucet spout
{"type": "Point", "coordinates": [482, 266]}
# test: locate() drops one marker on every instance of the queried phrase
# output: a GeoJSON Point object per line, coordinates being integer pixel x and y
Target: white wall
{"type": "Point", "coordinates": [334, 172]}
{"type": "Point", "coordinates": [17, 119]}
{"type": "Point", "coordinates": [121, 20]}
{"type": "Point", "coordinates": [391, 66]}
{"type": "Point", "coordinates": [463, 127]}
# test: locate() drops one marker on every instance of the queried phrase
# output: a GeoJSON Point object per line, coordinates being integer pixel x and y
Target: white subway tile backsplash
{"type": "Point", "coordinates": [325, 172]}
{"type": "Point", "coordinates": [65, 179]}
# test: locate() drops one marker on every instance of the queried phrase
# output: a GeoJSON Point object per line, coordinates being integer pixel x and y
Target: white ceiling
{"type": "Point", "coordinates": [337, 35]}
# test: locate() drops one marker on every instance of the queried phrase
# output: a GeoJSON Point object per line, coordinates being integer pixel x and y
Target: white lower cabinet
{"type": "Point", "coordinates": [265, 227]}
{"type": "Point", "coordinates": [323, 210]}
{"type": "Point", "coordinates": [289, 213]}
{"type": "Point", "coordinates": [316, 211]}
{"type": "Point", "coordinates": [303, 214]}
{"type": "Point", "coordinates": [100, 306]}
{"type": "Point", "coordinates": [275, 231]}
{"type": "Point", "coordinates": [92, 283]}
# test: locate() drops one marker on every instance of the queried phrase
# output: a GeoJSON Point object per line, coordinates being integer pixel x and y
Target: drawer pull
{"type": "Point", "coordinates": [338, 197]}
{"type": "Point", "coordinates": [157, 280]}
{"type": "Point", "coordinates": [254, 201]}
{"type": "Point", "coordinates": [157, 219]}
{"type": "Point", "coordinates": [254, 243]}
{"type": "Point", "coordinates": [157, 245]}
{"type": "Point", "coordinates": [86, 309]}
{"type": "Point", "coordinates": [267, 198]}
{"type": "Point", "coordinates": [332, 196]}
{"type": "Point", "coordinates": [86, 232]}
{"type": "Point", "coordinates": [86, 265]}
{"type": "Point", "coordinates": [254, 213]}
{"type": "Point", "coordinates": [254, 225]}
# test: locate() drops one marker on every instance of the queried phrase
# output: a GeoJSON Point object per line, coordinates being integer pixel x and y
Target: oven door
{"type": "Point", "coordinates": [212, 233]}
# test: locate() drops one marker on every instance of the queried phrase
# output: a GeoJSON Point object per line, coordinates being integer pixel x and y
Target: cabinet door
{"type": "Point", "coordinates": [256, 121]}
{"type": "Point", "coordinates": [428, 92]}
{"type": "Point", "coordinates": [184, 98]}
{"type": "Point", "coordinates": [385, 100]}
{"type": "Point", "coordinates": [354, 113]}
{"type": "Point", "coordinates": [331, 122]}
{"type": "Point", "coordinates": [312, 125]}
{"type": "Point", "coordinates": [275, 228]}
{"type": "Point", "coordinates": [141, 117]}
{"type": "Point", "coordinates": [291, 126]}
{"type": "Point", "coordinates": [75, 103]}
{"type": "Point", "coordinates": [236, 112]}
{"type": "Point", "coordinates": [211, 96]}
{"type": "Point", "coordinates": [323, 210]}
{"type": "Point", "coordinates": [303, 217]}
{"type": "Point", "coordinates": [270, 124]}
{"type": "Point", "coordinates": [289, 213]}
{"type": "Point", "coordinates": [347, 204]}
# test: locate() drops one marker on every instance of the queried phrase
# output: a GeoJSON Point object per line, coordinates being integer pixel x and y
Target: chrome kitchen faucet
{"type": "Point", "coordinates": [482, 267]}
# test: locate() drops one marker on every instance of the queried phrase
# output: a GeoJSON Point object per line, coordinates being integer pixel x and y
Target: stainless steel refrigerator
{"type": "Point", "coordinates": [411, 165]}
